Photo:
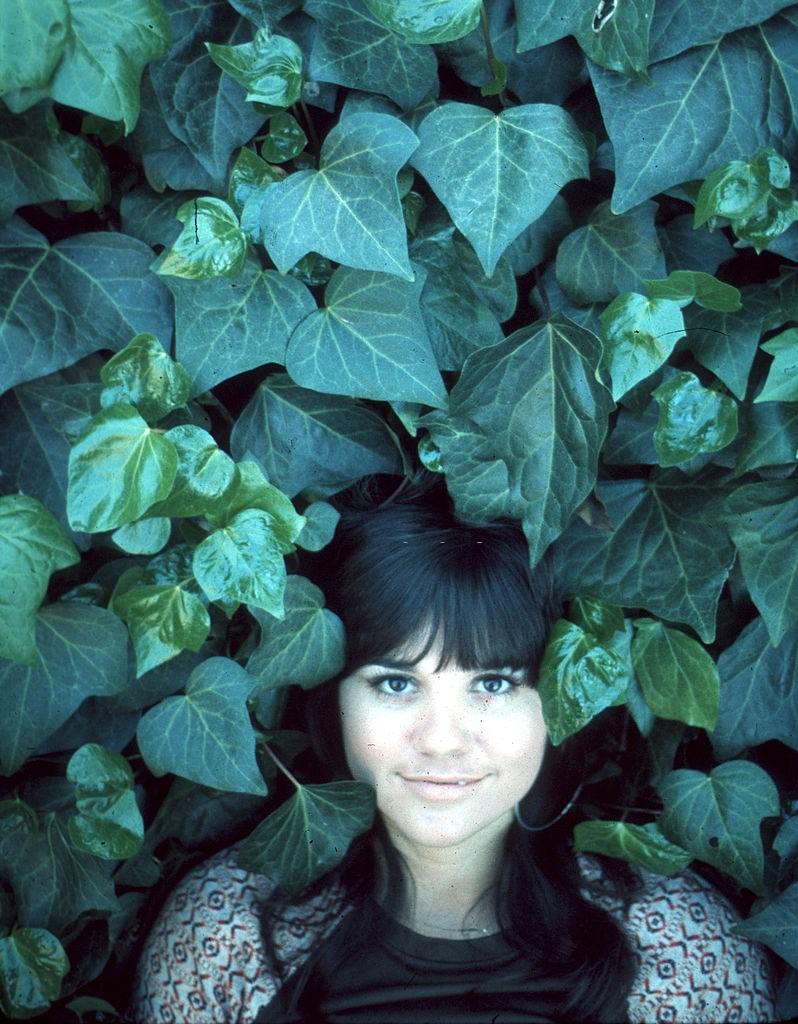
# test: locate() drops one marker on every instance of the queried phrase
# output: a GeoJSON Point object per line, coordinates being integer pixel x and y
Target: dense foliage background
{"type": "Point", "coordinates": [255, 249]}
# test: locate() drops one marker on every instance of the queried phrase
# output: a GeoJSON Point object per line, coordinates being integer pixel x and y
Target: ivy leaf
{"type": "Point", "coordinates": [108, 823]}
{"type": "Point", "coordinates": [683, 286]}
{"type": "Point", "coordinates": [205, 736]}
{"type": "Point", "coordinates": [495, 174]}
{"type": "Point", "coordinates": [579, 677]}
{"type": "Point", "coordinates": [526, 420]}
{"type": "Point", "coordinates": [539, 241]}
{"type": "Point", "coordinates": [226, 326]}
{"type": "Point", "coordinates": [692, 419]}
{"type": "Point", "coordinates": [249, 174]}
{"type": "Point", "coordinates": [762, 520]}
{"type": "Point", "coordinates": [32, 42]}
{"type": "Point", "coordinates": [717, 816]}
{"type": "Point", "coordinates": [352, 48]}
{"type": "Point", "coordinates": [33, 965]}
{"type": "Point", "coordinates": [610, 254]}
{"type": "Point", "coordinates": [146, 537]}
{"type": "Point", "coordinates": [250, 489]}
{"type": "Point", "coordinates": [639, 335]}
{"type": "Point", "coordinates": [686, 247]}
{"type": "Point", "coordinates": [269, 67]}
{"type": "Point", "coordinates": [304, 648]}
{"type": "Point", "coordinates": [33, 545]}
{"type": "Point", "coordinates": [666, 132]}
{"type": "Point", "coordinates": [204, 475]}
{"type": "Point", "coordinates": [84, 292]}
{"type": "Point", "coordinates": [82, 653]}
{"type": "Point", "coordinates": [678, 25]}
{"type": "Point", "coordinates": [368, 341]}
{"type": "Point", "coordinates": [776, 925]}
{"type": "Point", "coordinates": [308, 834]}
{"type": "Point", "coordinates": [143, 375]}
{"type": "Point", "coordinates": [770, 436]}
{"type": "Point", "coordinates": [348, 440]}
{"type": "Point", "coordinates": [781, 385]}
{"type": "Point", "coordinates": [667, 550]}
{"type": "Point", "coordinates": [679, 679]}
{"type": "Point", "coordinates": [427, 21]}
{"type": "Point", "coordinates": [118, 468]}
{"type": "Point", "coordinates": [285, 139]}
{"type": "Point", "coordinates": [596, 617]}
{"type": "Point", "coordinates": [348, 210]}
{"type": "Point", "coordinates": [211, 243]}
{"type": "Point", "coordinates": [321, 520]}
{"type": "Point", "coordinates": [644, 845]}
{"type": "Point", "coordinates": [759, 691]}
{"type": "Point", "coordinates": [163, 619]}
{"type": "Point", "coordinates": [243, 561]}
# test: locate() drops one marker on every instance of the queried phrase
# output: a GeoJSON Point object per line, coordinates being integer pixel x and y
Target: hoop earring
{"type": "Point", "coordinates": [563, 812]}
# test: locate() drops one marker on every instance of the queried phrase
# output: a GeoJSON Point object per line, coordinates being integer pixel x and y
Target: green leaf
{"type": "Point", "coordinates": [303, 439]}
{"type": "Point", "coordinates": [368, 341]}
{"type": "Point", "coordinates": [33, 545]}
{"type": "Point", "coordinates": [304, 648]}
{"type": "Point", "coordinates": [243, 561]}
{"type": "Point", "coordinates": [679, 679]}
{"type": "Point", "coordinates": [204, 476]}
{"type": "Point", "coordinates": [32, 966]}
{"type": "Point", "coordinates": [539, 241]}
{"type": "Point", "coordinates": [163, 619]}
{"type": "Point", "coordinates": [285, 139]}
{"type": "Point", "coordinates": [309, 833]}
{"type": "Point", "coordinates": [781, 385]}
{"type": "Point", "coordinates": [349, 210]}
{"type": "Point", "coordinates": [678, 26]}
{"type": "Point", "coordinates": [118, 468]}
{"type": "Point", "coordinates": [644, 845]}
{"type": "Point", "coordinates": [143, 375]}
{"type": "Point", "coordinates": [686, 247]}
{"type": "Point", "coordinates": [269, 67]}
{"type": "Point", "coordinates": [82, 653]}
{"type": "Point", "coordinates": [776, 925]}
{"type": "Point", "coordinates": [146, 537]}
{"type": "Point", "coordinates": [759, 691]}
{"type": "Point", "coordinates": [717, 816]}
{"type": "Point", "coordinates": [321, 520]}
{"type": "Point", "coordinates": [87, 292]}
{"type": "Point", "coordinates": [498, 83]}
{"type": "Point", "coordinates": [225, 327]}
{"type": "Point", "coordinates": [692, 419]}
{"type": "Point", "coordinates": [205, 736]}
{"type": "Point", "coordinates": [667, 550]}
{"type": "Point", "coordinates": [427, 21]}
{"type": "Point", "coordinates": [639, 334]}
{"type": "Point", "coordinates": [769, 437]}
{"type": "Point", "coordinates": [32, 40]}
{"type": "Point", "coordinates": [211, 243]}
{"type": "Point", "coordinates": [250, 174]}
{"type": "Point", "coordinates": [669, 131]}
{"type": "Point", "coordinates": [250, 489]}
{"type": "Point", "coordinates": [496, 173]}
{"type": "Point", "coordinates": [762, 520]}
{"type": "Point", "coordinates": [579, 677]}
{"type": "Point", "coordinates": [108, 823]}
{"type": "Point", "coordinates": [683, 286]}
{"type": "Point", "coordinates": [610, 254]}
{"type": "Point", "coordinates": [526, 420]}
{"type": "Point", "coordinates": [596, 617]}
{"type": "Point", "coordinates": [151, 217]}
{"type": "Point", "coordinates": [352, 48]}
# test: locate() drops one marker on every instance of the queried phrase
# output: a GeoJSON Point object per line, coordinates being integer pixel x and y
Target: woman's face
{"type": "Point", "coordinates": [449, 753]}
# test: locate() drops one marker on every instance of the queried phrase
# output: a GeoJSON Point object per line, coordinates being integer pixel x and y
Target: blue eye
{"type": "Point", "coordinates": [493, 685]}
{"type": "Point", "coordinates": [390, 684]}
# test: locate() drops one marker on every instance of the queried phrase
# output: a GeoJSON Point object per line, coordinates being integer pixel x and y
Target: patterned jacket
{"type": "Point", "coordinates": [204, 961]}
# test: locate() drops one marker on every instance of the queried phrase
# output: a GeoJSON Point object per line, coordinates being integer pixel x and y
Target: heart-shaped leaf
{"type": "Point", "coordinates": [142, 374]}
{"type": "Point", "coordinates": [108, 823]}
{"type": "Point", "coordinates": [32, 965]}
{"type": "Point", "coordinates": [692, 419]}
{"type": "Point", "coordinates": [639, 334]}
{"type": "Point", "coordinates": [639, 844]}
{"type": "Point", "coordinates": [427, 21]}
{"type": "Point", "coordinates": [269, 67]}
{"type": "Point", "coordinates": [211, 243]}
{"type": "Point", "coordinates": [163, 619]}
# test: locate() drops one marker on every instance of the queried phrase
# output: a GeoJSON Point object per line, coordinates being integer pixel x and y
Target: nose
{"type": "Point", "coordinates": [441, 727]}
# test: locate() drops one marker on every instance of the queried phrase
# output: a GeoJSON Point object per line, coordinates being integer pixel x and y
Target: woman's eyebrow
{"type": "Point", "coordinates": [406, 666]}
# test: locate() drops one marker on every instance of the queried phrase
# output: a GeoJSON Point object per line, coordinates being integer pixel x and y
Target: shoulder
{"type": "Point", "coordinates": [692, 966]}
{"type": "Point", "coordinates": [205, 958]}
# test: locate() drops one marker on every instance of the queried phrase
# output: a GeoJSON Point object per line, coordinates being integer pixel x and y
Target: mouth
{"type": "Point", "coordinates": [450, 787]}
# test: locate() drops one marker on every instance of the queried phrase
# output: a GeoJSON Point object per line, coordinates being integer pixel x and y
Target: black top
{"type": "Point", "coordinates": [407, 977]}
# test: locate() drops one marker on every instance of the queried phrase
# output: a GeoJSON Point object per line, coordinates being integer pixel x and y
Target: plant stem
{"type": "Point", "coordinates": [544, 299]}
{"type": "Point", "coordinates": [483, 17]}
{"type": "Point", "coordinates": [311, 127]}
{"type": "Point", "coordinates": [281, 766]}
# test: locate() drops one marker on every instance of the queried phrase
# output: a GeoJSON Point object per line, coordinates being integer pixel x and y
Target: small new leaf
{"type": "Point", "coordinates": [32, 966]}
{"type": "Point", "coordinates": [679, 679]}
{"type": "Point", "coordinates": [211, 243]}
{"type": "Point", "coordinates": [692, 419]}
{"type": "Point", "coordinates": [144, 375]}
{"type": "Point", "coordinates": [269, 67]}
{"type": "Point", "coordinates": [639, 334]}
{"type": "Point", "coordinates": [163, 619]}
{"type": "Point", "coordinates": [108, 823]}
{"type": "Point", "coordinates": [683, 286]}
{"type": "Point", "coordinates": [644, 845]}
{"type": "Point", "coordinates": [285, 139]}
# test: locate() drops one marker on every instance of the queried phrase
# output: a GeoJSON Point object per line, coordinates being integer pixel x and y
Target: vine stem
{"type": "Point", "coordinates": [281, 766]}
{"type": "Point", "coordinates": [314, 139]}
{"type": "Point", "coordinates": [544, 298]}
{"type": "Point", "coordinates": [483, 17]}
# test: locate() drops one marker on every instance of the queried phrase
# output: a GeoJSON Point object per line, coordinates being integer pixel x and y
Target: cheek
{"type": "Point", "coordinates": [364, 742]}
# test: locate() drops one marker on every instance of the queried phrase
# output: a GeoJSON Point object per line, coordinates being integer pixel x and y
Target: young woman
{"type": "Point", "coordinates": [466, 901]}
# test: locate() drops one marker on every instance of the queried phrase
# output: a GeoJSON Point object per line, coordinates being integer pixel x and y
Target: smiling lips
{"type": "Point", "coordinates": [450, 787]}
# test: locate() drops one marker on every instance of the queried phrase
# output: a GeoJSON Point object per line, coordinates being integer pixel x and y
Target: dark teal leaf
{"type": "Point", "coordinates": [82, 653]}
{"type": "Point", "coordinates": [33, 545]}
{"type": "Point", "coordinates": [269, 67]}
{"type": "Point", "coordinates": [679, 24]}
{"type": "Point", "coordinates": [321, 520]}
{"type": "Point", "coordinates": [427, 21]}
{"type": "Point", "coordinates": [769, 436]}
{"type": "Point", "coordinates": [717, 816]}
{"type": "Point", "coordinates": [118, 468]}
{"type": "Point", "coordinates": [211, 243]}
{"type": "Point", "coordinates": [539, 241]}
{"type": "Point", "coordinates": [303, 439]}
{"type": "Point", "coordinates": [579, 677]}
{"type": "Point", "coordinates": [84, 293]}
{"type": "Point", "coordinates": [163, 619]}
{"type": "Point", "coordinates": [692, 419]}
{"type": "Point", "coordinates": [145, 537]}
{"type": "Point", "coordinates": [781, 385]}
{"type": "Point", "coordinates": [32, 41]}
{"type": "Point", "coordinates": [495, 174]}
{"type": "Point", "coordinates": [667, 550]}
{"type": "Point", "coordinates": [32, 966]}
{"type": "Point", "coordinates": [776, 925]}
{"type": "Point", "coordinates": [352, 48]}
{"type": "Point", "coordinates": [526, 420]}
{"type": "Point", "coordinates": [678, 677]}
{"type": "Point", "coordinates": [151, 217]}
{"type": "Point", "coordinates": [610, 254]}
{"type": "Point", "coordinates": [644, 845]}
{"type": "Point", "coordinates": [309, 833]}
{"type": "Point", "coordinates": [265, 13]}
{"type": "Point", "coordinates": [304, 648]}
{"type": "Point", "coordinates": [108, 823]}
{"type": "Point", "coordinates": [206, 735]}
{"type": "Point", "coordinates": [639, 334]}
{"type": "Point", "coordinates": [631, 441]}
{"type": "Point", "coordinates": [759, 691]}
{"type": "Point", "coordinates": [684, 246]}
{"type": "Point", "coordinates": [349, 210]}
{"type": "Point", "coordinates": [144, 375]}
{"type": "Point", "coordinates": [368, 341]}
